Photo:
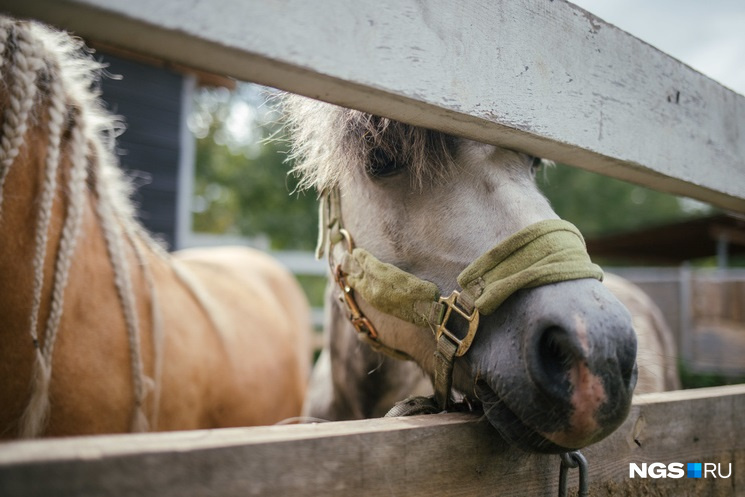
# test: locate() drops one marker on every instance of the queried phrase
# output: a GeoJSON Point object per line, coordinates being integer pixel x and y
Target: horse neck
{"type": "Point", "coordinates": [18, 234]}
{"type": "Point", "coordinates": [25, 295]}
{"type": "Point", "coordinates": [71, 233]}
{"type": "Point", "coordinates": [365, 383]}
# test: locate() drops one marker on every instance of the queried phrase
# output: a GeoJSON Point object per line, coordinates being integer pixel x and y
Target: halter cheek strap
{"type": "Point", "coordinates": [546, 252]}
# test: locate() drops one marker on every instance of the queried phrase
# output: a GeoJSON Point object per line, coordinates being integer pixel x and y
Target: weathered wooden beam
{"type": "Point", "coordinates": [541, 76]}
{"type": "Point", "coordinates": [451, 455]}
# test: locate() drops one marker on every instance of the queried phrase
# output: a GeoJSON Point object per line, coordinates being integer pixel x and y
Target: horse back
{"type": "Point", "coordinates": [260, 325]}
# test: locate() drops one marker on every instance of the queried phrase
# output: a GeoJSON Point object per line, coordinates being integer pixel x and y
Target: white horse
{"type": "Point", "coordinates": [101, 331]}
{"type": "Point", "coordinates": [444, 251]}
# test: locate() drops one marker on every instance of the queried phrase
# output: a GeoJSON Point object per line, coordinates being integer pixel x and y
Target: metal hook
{"type": "Point", "coordinates": [572, 460]}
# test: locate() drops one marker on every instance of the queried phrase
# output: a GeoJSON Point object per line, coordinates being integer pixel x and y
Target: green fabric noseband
{"type": "Point", "coordinates": [545, 252]}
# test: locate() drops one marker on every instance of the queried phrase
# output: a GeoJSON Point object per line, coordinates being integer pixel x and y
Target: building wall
{"type": "Point", "coordinates": [150, 100]}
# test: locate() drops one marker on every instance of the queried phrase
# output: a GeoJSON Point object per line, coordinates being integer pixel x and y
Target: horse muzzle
{"type": "Point", "coordinates": [556, 366]}
{"type": "Point", "coordinates": [558, 350]}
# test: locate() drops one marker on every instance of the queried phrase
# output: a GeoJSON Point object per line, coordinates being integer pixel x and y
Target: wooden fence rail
{"type": "Point", "coordinates": [541, 76]}
{"type": "Point", "coordinates": [448, 455]}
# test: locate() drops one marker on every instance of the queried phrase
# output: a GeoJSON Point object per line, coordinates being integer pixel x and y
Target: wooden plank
{"type": "Point", "coordinates": [543, 77]}
{"type": "Point", "coordinates": [705, 309]}
{"type": "Point", "coordinates": [453, 454]}
{"type": "Point", "coordinates": [717, 323]}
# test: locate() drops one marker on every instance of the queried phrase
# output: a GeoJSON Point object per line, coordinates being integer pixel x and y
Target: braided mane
{"type": "Point", "coordinates": [50, 79]}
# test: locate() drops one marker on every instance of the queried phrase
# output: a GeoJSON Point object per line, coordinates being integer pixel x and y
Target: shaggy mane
{"type": "Point", "coordinates": [331, 143]}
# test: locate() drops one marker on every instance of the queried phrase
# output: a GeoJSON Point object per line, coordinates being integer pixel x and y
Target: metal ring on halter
{"type": "Point", "coordinates": [572, 460]}
{"type": "Point", "coordinates": [347, 239]}
{"type": "Point", "coordinates": [356, 316]}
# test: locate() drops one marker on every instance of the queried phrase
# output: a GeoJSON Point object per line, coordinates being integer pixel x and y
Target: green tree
{"type": "Point", "coordinates": [242, 184]}
{"type": "Point", "coordinates": [597, 204]}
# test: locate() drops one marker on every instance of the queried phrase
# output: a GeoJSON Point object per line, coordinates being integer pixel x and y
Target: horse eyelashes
{"type": "Point", "coordinates": [381, 164]}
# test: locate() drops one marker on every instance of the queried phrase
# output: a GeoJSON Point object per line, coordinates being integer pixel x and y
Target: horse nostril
{"type": "Point", "coordinates": [555, 354]}
{"type": "Point", "coordinates": [557, 350]}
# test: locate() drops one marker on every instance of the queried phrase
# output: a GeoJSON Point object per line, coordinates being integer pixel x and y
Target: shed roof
{"type": "Point", "coordinates": [673, 243]}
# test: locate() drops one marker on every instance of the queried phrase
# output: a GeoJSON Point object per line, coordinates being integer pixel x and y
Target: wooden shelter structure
{"type": "Point", "coordinates": [721, 235]}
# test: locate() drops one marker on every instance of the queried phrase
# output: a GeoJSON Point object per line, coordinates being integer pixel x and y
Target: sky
{"type": "Point", "coordinates": [708, 35]}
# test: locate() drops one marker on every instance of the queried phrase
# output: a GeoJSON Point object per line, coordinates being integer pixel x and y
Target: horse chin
{"type": "Point", "coordinates": [510, 427]}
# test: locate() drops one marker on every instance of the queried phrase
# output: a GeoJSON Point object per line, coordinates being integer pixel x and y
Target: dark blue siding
{"type": "Point", "coordinates": [149, 98]}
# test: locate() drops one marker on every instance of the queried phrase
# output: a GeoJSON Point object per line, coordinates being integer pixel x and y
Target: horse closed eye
{"type": "Point", "coordinates": [386, 169]}
{"type": "Point", "coordinates": [382, 165]}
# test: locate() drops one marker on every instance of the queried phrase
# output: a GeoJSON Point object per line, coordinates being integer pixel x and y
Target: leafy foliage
{"type": "Point", "coordinates": [242, 185]}
{"type": "Point", "coordinates": [597, 204]}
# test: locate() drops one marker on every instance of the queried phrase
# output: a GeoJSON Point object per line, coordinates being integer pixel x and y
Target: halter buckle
{"type": "Point", "coordinates": [450, 304]}
{"type": "Point", "coordinates": [356, 317]}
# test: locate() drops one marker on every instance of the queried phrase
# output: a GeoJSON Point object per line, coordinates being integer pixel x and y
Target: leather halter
{"type": "Point", "coordinates": [545, 252]}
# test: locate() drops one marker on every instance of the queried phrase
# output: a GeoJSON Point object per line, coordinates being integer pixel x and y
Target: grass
{"type": "Point", "coordinates": [694, 379]}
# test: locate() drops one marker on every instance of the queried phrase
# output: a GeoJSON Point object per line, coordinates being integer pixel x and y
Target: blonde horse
{"type": "Point", "coordinates": [102, 331]}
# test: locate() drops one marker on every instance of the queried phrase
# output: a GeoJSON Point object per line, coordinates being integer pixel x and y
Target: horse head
{"type": "Point", "coordinates": [410, 212]}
